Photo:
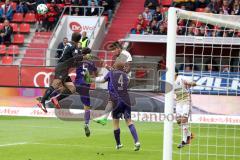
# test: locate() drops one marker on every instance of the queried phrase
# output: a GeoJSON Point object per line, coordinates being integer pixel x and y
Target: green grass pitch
{"type": "Point", "coordinates": [23, 138]}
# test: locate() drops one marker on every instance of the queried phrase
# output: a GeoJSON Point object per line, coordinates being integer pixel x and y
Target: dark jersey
{"type": "Point", "coordinates": [69, 51]}
{"type": "Point", "coordinates": [117, 86]}
{"type": "Point", "coordinates": [84, 71]}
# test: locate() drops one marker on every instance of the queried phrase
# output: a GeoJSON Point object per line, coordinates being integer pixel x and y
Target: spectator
{"type": "Point", "coordinates": [162, 64]}
{"type": "Point", "coordinates": [158, 15]}
{"type": "Point", "coordinates": [214, 6]}
{"type": "Point", "coordinates": [6, 11]}
{"type": "Point", "coordinates": [60, 47]}
{"type": "Point", "coordinates": [235, 7]}
{"type": "Point", "coordinates": [154, 26]}
{"type": "Point", "coordinates": [162, 30]}
{"type": "Point", "coordinates": [76, 11]}
{"type": "Point", "coordinates": [84, 42]}
{"type": "Point", "coordinates": [22, 7]}
{"type": "Point", "coordinates": [108, 8]}
{"type": "Point", "coordinates": [32, 4]}
{"type": "Point", "coordinates": [6, 32]}
{"type": "Point", "coordinates": [225, 7]}
{"type": "Point", "coordinates": [201, 3]}
{"type": "Point", "coordinates": [152, 5]}
{"type": "Point", "coordinates": [95, 2]}
{"type": "Point", "coordinates": [93, 11]}
{"type": "Point", "coordinates": [190, 31]}
{"type": "Point", "coordinates": [148, 30]}
{"type": "Point", "coordinates": [137, 30]}
{"type": "Point", "coordinates": [147, 15]}
{"type": "Point", "coordinates": [141, 21]}
{"type": "Point", "coordinates": [50, 18]}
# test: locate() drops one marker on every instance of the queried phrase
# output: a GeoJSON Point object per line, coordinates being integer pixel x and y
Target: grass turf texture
{"type": "Point", "coordinates": [23, 138]}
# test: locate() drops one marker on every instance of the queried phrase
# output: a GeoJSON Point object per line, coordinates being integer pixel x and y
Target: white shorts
{"type": "Point", "coordinates": [183, 109]}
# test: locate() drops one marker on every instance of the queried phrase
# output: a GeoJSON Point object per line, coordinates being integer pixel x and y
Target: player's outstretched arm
{"type": "Point", "coordinates": [99, 79]}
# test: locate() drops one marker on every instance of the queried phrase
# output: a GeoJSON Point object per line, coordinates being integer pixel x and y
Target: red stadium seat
{"type": "Point", "coordinates": [2, 49]}
{"type": "Point", "coordinates": [18, 39]}
{"type": "Point", "coordinates": [30, 18]}
{"type": "Point", "coordinates": [24, 28]}
{"type": "Point", "coordinates": [200, 10]}
{"type": "Point", "coordinates": [14, 26]}
{"type": "Point", "coordinates": [166, 2]}
{"type": "Point", "coordinates": [13, 49]}
{"type": "Point", "coordinates": [7, 59]}
{"type": "Point", "coordinates": [17, 17]}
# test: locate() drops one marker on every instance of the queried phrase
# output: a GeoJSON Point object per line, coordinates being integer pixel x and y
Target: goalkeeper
{"type": "Point", "coordinates": [183, 107]}
{"type": "Point", "coordinates": [71, 58]}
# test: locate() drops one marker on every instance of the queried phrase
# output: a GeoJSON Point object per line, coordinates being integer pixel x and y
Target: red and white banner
{"type": "Point", "coordinates": [136, 116]}
{"type": "Point", "coordinates": [80, 24]}
{"type": "Point", "coordinates": [36, 76]}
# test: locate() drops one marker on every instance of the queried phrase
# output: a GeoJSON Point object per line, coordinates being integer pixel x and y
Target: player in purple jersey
{"type": "Point", "coordinates": [117, 86]}
{"type": "Point", "coordinates": [82, 83]}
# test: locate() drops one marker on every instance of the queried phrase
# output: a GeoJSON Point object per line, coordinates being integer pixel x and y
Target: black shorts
{"type": "Point", "coordinates": [121, 109]}
{"type": "Point", "coordinates": [61, 72]}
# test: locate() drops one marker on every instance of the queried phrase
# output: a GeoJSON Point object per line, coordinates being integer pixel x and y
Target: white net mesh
{"type": "Point", "coordinates": [208, 53]}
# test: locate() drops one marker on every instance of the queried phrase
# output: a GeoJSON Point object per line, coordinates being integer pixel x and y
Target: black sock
{"type": "Point", "coordinates": [117, 136]}
{"type": "Point", "coordinates": [47, 93]}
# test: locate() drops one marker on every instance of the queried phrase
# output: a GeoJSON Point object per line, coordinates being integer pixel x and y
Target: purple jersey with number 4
{"type": "Point", "coordinates": [117, 86]}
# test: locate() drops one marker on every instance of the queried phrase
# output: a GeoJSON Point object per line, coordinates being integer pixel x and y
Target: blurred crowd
{"type": "Point", "coordinates": [153, 20]}
{"type": "Point", "coordinates": [48, 21]}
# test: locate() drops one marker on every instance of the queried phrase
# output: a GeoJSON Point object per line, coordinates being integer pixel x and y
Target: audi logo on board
{"type": "Point", "coordinates": [45, 78]}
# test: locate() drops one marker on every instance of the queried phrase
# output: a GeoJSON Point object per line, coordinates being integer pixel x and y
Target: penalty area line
{"type": "Point", "coordinates": [12, 144]}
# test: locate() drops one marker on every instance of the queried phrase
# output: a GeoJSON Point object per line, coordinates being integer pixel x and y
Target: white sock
{"type": "Point", "coordinates": [185, 132]}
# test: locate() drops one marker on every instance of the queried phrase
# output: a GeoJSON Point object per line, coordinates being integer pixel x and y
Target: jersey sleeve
{"type": "Point", "coordinates": [107, 77]}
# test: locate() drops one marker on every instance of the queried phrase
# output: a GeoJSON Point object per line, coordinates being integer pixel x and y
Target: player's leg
{"type": "Point", "coordinates": [66, 90]}
{"type": "Point", "coordinates": [83, 91]}
{"type": "Point", "coordinates": [116, 115]}
{"type": "Point", "coordinates": [182, 120]}
{"type": "Point", "coordinates": [116, 131]}
{"type": "Point", "coordinates": [55, 85]}
{"type": "Point", "coordinates": [131, 126]}
{"type": "Point", "coordinates": [103, 119]}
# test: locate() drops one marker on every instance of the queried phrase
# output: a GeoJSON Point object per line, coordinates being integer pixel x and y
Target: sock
{"type": "Point", "coordinates": [117, 136]}
{"type": "Point", "coordinates": [47, 93]}
{"type": "Point", "coordinates": [185, 132]}
{"type": "Point", "coordinates": [133, 132]}
{"type": "Point", "coordinates": [87, 116]}
{"type": "Point", "coordinates": [108, 109]}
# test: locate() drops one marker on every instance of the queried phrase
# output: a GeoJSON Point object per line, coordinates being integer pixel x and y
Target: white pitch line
{"type": "Point", "coordinates": [12, 144]}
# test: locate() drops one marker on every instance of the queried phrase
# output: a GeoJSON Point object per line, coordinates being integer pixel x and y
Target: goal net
{"type": "Point", "coordinates": [205, 48]}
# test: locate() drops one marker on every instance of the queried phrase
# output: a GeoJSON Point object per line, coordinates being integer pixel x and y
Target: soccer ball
{"type": "Point", "coordinates": [42, 9]}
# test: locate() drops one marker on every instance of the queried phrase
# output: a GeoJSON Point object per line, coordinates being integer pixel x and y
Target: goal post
{"type": "Point", "coordinates": [169, 95]}
{"type": "Point", "coordinates": [207, 52]}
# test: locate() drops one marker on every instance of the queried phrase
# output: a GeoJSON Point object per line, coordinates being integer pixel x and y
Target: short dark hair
{"type": "Point", "coordinates": [76, 36]}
